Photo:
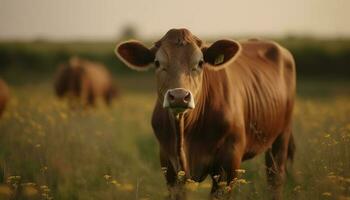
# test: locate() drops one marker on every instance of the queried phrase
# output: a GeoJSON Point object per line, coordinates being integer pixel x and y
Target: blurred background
{"type": "Point", "coordinates": [35, 35]}
{"type": "Point", "coordinates": [50, 151]}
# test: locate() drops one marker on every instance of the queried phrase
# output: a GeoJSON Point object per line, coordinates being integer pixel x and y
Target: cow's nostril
{"type": "Point", "coordinates": [171, 97]}
{"type": "Point", "coordinates": [187, 97]}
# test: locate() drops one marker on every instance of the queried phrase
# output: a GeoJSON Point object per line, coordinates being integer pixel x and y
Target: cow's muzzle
{"type": "Point", "coordinates": [178, 99]}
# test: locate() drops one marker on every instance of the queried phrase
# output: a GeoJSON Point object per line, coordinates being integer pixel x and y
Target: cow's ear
{"type": "Point", "coordinates": [221, 53]}
{"type": "Point", "coordinates": [135, 55]}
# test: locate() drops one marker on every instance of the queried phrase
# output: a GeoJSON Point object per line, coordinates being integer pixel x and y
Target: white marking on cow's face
{"type": "Point", "coordinates": [166, 101]}
{"type": "Point", "coordinates": [191, 104]}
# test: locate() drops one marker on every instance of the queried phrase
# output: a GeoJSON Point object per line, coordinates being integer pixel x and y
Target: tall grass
{"type": "Point", "coordinates": [49, 151]}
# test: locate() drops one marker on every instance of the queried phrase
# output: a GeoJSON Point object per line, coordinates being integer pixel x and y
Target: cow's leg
{"type": "Point", "coordinates": [275, 159]}
{"type": "Point", "coordinates": [175, 187]}
{"type": "Point", "coordinates": [91, 98]}
{"type": "Point", "coordinates": [108, 97]}
{"type": "Point", "coordinates": [109, 94]}
{"type": "Point", "coordinates": [230, 158]}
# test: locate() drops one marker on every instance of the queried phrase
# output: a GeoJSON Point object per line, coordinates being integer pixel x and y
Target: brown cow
{"type": "Point", "coordinates": [218, 105]}
{"type": "Point", "coordinates": [4, 95]}
{"type": "Point", "coordinates": [84, 80]}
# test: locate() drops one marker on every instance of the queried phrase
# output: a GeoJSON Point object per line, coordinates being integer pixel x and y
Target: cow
{"type": "Point", "coordinates": [84, 80]}
{"type": "Point", "coordinates": [218, 105]}
{"type": "Point", "coordinates": [4, 96]}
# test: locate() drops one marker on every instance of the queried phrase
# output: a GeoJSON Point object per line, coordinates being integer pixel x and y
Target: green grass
{"type": "Point", "coordinates": [111, 153]}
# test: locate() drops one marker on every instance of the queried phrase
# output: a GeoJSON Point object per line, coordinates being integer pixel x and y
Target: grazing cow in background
{"type": "Point", "coordinates": [4, 95]}
{"type": "Point", "coordinates": [84, 80]}
{"type": "Point", "coordinates": [218, 105]}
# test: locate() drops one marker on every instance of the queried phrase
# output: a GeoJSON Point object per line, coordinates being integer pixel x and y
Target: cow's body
{"type": "Point", "coordinates": [84, 80]}
{"type": "Point", "coordinates": [4, 96]}
{"type": "Point", "coordinates": [248, 104]}
{"type": "Point", "coordinates": [243, 98]}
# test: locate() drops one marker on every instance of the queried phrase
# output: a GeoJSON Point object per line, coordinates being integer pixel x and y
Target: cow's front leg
{"type": "Point", "coordinates": [175, 180]}
{"type": "Point", "coordinates": [226, 169]}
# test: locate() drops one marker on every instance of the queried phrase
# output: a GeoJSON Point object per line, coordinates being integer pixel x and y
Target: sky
{"type": "Point", "coordinates": [105, 19]}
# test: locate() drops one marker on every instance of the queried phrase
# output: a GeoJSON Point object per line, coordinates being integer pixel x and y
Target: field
{"type": "Point", "coordinates": [49, 151]}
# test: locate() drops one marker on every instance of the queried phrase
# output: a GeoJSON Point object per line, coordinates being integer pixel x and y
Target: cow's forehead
{"type": "Point", "coordinates": [168, 53]}
{"type": "Point", "coordinates": [178, 45]}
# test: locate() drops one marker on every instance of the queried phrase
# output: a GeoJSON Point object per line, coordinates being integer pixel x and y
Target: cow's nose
{"type": "Point", "coordinates": [178, 98]}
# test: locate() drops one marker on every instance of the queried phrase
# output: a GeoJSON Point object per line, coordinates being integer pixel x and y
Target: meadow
{"type": "Point", "coordinates": [49, 151]}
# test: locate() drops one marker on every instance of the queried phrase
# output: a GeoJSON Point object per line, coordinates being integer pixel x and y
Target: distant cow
{"type": "Point", "coordinates": [218, 105]}
{"type": "Point", "coordinates": [4, 96]}
{"type": "Point", "coordinates": [84, 80]}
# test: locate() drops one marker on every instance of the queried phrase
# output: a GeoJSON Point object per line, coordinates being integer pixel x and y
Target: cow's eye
{"type": "Point", "coordinates": [156, 63]}
{"type": "Point", "coordinates": [200, 64]}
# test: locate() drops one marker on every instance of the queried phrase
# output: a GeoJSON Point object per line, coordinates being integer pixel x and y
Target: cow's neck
{"type": "Point", "coordinates": [184, 123]}
{"type": "Point", "coordinates": [210, 99]}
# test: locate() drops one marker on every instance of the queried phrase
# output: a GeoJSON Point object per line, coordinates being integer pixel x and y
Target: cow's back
{"type": "Point", "coordinates": [98, 76]}
{"type": "Point", "coordinates": [263, 81]}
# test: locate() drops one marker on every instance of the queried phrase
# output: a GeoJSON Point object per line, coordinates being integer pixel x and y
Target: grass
{"type": "Point", "coordinates": [49, 151]}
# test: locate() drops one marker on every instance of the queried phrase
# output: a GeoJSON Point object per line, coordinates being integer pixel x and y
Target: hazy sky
{"type": "Point", "coordinates": [103, 19]}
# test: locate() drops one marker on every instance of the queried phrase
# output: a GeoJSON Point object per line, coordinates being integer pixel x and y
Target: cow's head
{"type": "Point", "coordinates": [179, 59]}
{"type": "Point", "coordinates": [68, 78]}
